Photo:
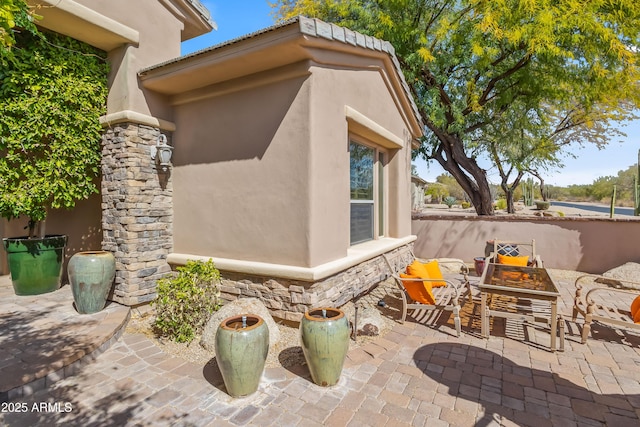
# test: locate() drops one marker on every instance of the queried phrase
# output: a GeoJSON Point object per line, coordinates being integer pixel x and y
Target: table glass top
{"type": "Point", "coordinates": [514, 277]}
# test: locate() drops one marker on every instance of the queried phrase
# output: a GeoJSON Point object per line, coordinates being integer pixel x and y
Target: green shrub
{"type": "Point", "coordinates": [543, 206]}
{"type": "Point", "coordinates": [501, 204]}
{"type": "Point", "coordinates": [186, 300]}
{"type": "Point", "coordinates": [465, 205]}
{"type": "Point", "coordinates": [449, 201]}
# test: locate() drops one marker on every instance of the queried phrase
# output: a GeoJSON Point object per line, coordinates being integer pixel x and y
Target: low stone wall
{"type": "Point", "coordinates": [289, 299]}
{"type": "Point", "coordinates": [591, 245]}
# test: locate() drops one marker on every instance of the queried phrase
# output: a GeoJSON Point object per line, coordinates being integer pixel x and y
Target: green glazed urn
{"type": "Point", "coordinates": [242, 344]}
{"type": "Point", "coordinates": [35, 264]}
{"type": "Point", "coordinates": [324, 333]}
{"type": "Point", "coordinates": [91, 275]}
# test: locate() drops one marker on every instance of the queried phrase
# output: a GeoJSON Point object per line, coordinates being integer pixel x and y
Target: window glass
{"type": "Point", "coordinates": [362, 161]}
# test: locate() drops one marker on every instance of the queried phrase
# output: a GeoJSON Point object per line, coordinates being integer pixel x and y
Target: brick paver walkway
{"type": "Point", "coordinates": [415, 375]}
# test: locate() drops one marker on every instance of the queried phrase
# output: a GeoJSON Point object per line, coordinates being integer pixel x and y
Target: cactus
{"type": "Point", "coordinates": [527, 192]}
{"type": "Point", "coordinates": [636, 189]}
{"type": "Point", "coordinates": [613, 202]}
{"type": "Point", "coordinates": [449, 201]}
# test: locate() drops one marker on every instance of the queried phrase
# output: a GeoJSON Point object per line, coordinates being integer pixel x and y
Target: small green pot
{"type": "Point", "coordinates": [324, 333]}
{"type": "Point", "coordinates": [91, 275]}
{"type": "Point", "coordinates": [242, 344]}
{"type": "Point", "coordinates": [35, 264]}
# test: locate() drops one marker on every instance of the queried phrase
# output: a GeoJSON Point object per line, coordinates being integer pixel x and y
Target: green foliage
{"type": "Point", "coordinates": [542, 205]}
{"type": "Point", "coordinates": [449, 201]}
{"type": "Point", "coordinates": [437, 191]}
{"type": "Point", "coordinates": [52, 93]}
{"type": "Point", "coordinates": [452, 185]}
{"type": "Point", "coordinates": [465, 205]}
{"type": "Point", "coordinates": [501, 204]}
{"type": "Point", "coordinates": [186, 301]}
{"type": "Point", "coordinates": [12, 13]}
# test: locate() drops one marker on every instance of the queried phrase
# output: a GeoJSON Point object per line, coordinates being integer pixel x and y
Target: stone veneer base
{"type": "Point", "coordinates": [288, 299]}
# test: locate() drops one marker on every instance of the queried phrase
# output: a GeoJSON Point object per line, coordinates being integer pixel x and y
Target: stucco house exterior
{"type": "Point", "coordinates": [291, 159]}
{"type": "Point", "coordinates": [418, 187]}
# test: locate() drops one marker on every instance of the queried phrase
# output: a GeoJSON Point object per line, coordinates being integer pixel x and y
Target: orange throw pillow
{"type": "Point", "coordinates": [635, 307]}
{"type": "Point", "coordinates": [416, 268]}
{"type": "Point", "coordinates": [433, 270]}
{"type": "Point", "coordinates": [418, 291]}
{"type": "Point", "coordinates": [519, 261]}
{"type": "Point", "coordinates": [429, 270]}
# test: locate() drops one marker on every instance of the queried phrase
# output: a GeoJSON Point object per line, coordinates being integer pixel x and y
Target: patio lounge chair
{"type": "Point", "coordinates": [607, 301]}
{"type": "Point", "coordinates": [506, 251]}
{"type": "Point", "coordinates": [433, 294]}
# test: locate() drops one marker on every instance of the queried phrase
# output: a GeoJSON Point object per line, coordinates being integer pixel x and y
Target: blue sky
{"type": "Point", "coordinates": [236, 18]}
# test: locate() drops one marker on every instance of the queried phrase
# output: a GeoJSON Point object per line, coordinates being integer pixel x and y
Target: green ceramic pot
{"type": "Point", "coordinates": [91, 275]}
{"type": "Point", "coordinates": [35, 264]}
{"type": "Point", "coordinates": [324, 333]}
{"type": "Point", "coordinates": [242, 344]}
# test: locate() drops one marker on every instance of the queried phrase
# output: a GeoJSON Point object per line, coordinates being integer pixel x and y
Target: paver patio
{"type": "Point", "coordinates": [414, 375]}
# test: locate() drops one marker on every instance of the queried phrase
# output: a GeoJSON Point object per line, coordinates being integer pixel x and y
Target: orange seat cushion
{"type": "Point", "coordinates": [418, 291]}
{"type": "Point", "coordinates": [635, 307]}
{"type": "Point", "coordinates": [429, 270]}
{"type": "Point", "coordinates": [519, 261]}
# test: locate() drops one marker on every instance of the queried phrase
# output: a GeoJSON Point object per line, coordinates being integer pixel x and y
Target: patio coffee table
{"type": "Point", "coordinates": [524, 285]}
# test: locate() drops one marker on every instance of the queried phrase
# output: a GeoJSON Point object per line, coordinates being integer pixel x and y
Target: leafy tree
{"type": "Point", "coordinates": [472, 64]}
{"type": "Point", "coordinates": [437, 191]}
{"type": "Point", "coordinates": [452, 185]}
{"type": "Point", "coordinates": [52, 92]}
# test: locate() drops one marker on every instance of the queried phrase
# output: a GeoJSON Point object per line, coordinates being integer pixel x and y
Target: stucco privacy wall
{"type": "Point", "coordinates": [588, 245]}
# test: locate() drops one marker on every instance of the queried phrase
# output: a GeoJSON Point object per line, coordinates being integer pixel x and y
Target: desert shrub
{"type": "Point", "coordinates": [561, 214]}
{"type": "Point", "coordinates": [465, 205]}
{"type": "Point", "coordinates": [543, 206]}
{"type": "Point", "coordinates": [186, 300]}
{"type": "Point", "coordinates": [449, 201]}
{"type": "Point", "coordinates": [501, 204]}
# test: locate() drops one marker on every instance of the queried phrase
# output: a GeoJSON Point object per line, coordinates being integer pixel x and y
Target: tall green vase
{"type": "Point", "coordinates": [242, 344]}
{"type": "Point", "coordinates": [91, 275]}
{"type": "Point", "coordinates": [35, 264]}
{"type": "Point", "coordinates": [324, 333]}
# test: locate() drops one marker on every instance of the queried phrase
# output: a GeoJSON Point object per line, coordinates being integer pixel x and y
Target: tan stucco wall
{"type": "Point", "coordinates": [135, 35]}
{"type": "Point", "coordinates": [588, 245]}
{"type": "Point", "coordinates": [160, 39]}
{"type": "Point", "coordinates": [366, 92]}
{"type": "Point", "coordinates": [241, 175]}
{"type": "Point", "coordinates": [262, 174]}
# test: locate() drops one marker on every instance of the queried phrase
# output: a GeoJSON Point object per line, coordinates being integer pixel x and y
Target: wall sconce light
{"type": "Point", "coordinates": [161, 152]}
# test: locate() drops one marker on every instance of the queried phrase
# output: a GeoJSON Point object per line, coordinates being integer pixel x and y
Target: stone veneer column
{"type": "Point", "coordinates": [137, 211]}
